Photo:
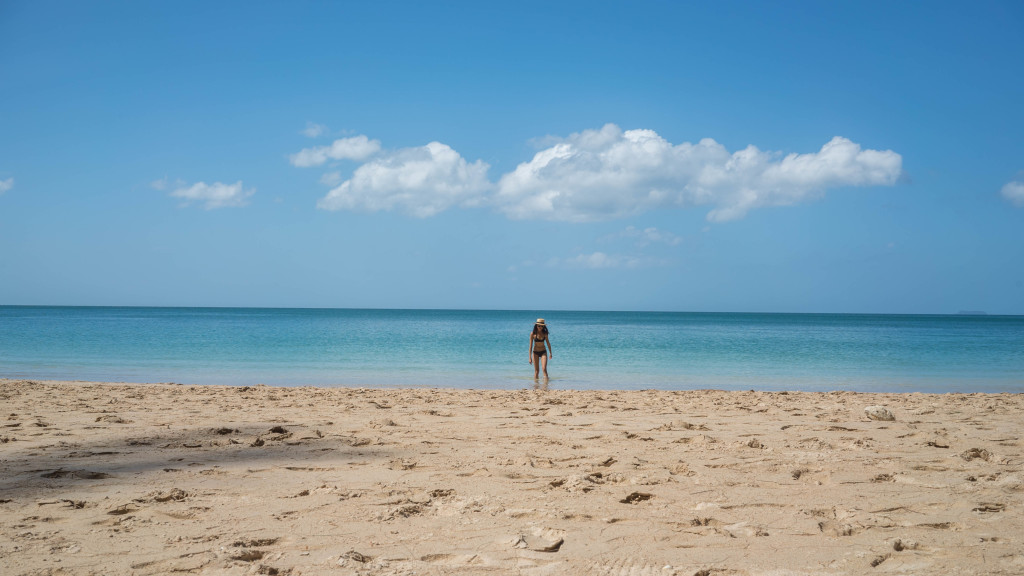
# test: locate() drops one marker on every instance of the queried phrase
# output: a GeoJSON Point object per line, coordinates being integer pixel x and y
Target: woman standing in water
{"type": "Point", "coordinates": [540, 348]}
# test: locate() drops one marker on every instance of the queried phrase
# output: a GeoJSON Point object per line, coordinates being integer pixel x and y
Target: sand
{"type": "Point", "coordinates": [160, 479]}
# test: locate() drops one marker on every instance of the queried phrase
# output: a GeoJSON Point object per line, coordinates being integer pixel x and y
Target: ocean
{"type": "Point", "coordinates": [489, 349]}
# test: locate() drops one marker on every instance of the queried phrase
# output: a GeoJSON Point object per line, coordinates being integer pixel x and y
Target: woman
{"type": "Point", "coordinates": [540, 348]}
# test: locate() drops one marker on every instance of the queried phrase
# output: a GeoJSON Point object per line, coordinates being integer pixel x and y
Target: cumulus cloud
{"type": "Point", "coordinates": [597, 175]}
{"type": "Point", "coordinates": [611, 173]}
{"type": "Point", "coordinates": [354, 148]}
{"type": "Point", "coordinates": [313, 130]}
{"type": "Point", "coordinates": [1014, 193]}
{"type": "Point", "coordinates": [216, 195]}
{"type": "Point", "coordinates": [331, 179]}
{"type": "Point", "coordinates": [6, 185]}
{"type": "Point", "coordinates": [421, 181]}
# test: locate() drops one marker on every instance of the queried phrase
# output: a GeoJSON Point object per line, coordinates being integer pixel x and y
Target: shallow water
{"type": "Point", "coordinates": [488, 349]}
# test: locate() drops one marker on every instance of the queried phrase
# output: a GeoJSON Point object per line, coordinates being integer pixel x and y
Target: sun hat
{"type": "Point", "coordinates": [540, 321]}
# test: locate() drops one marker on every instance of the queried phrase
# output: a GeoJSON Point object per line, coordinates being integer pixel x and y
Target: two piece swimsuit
{"type": "Point", "coordinates": [538, 342]}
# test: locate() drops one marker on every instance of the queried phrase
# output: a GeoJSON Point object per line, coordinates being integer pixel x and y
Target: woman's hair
{"type": "Point", "coordinates": [539, 328]}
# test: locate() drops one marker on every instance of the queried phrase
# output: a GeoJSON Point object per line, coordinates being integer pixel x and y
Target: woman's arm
{"type": "Point", "coordinates": [531, 348]}
{"type": "Point", "coordinates": [551, 353]}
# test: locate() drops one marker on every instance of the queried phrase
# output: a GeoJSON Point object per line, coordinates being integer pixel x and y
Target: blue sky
{"type": "Point", "coordinates": [719, 156]}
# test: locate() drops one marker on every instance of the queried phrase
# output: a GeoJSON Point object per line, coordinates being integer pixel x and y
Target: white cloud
{"type": "Point", "coordinates": [1014, 192]}
{"type": "Point", "coordinates": [331, 178]}
{"type": "Point", "coordinates": [313, 130]}
{"type": "Point", "coordinates": [595, 260]}
{"type": "Point", "coordinates": [610, 173]}
{"type": "Point", "coordinates": [650, 236]}
{"type": "Point", "coordinates": [216, 195]}
{"type": "Point", "coordinates": [354, 148]}
{"type": "Point", "coordinates": [421, 181]}
{"type": "Point", "coordinates": [160, 184]}
{"type": "Point", "coordinates": [6, 185]}
{"type": "Point", "coordinates": [600, 260]}
{"type": "Point", "coordinates": [597, 175]}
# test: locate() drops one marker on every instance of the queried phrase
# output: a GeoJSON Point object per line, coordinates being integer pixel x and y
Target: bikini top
{"type": "Point", "coordinates": [538, 340]}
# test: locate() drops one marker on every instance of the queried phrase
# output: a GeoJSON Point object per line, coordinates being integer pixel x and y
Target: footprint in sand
{"type": "Point", "coordinates": [402, 464]}
{"type": "Point", "coordinates": [405, 511]}
{"type": "Point", "coordinates": [455, 560]}
{"type": "Point", "coordinates": [247, 551]}
{"type": "Point", "coordinates": [743, 529]}
{"type": "Point", "coordinates": [122, 509]}
{"type": "Point", "coordinates": [255, 542]}
{"type": "Point", "coordinates": [976, 454]}
{"type": "Point", "coordinates": [188, 514]}
{"type": "Point", "coordinates": [540, 540]}
{"type": "Point", "coordinates": [112, 419]}
{"type": "Point", "coordinates": [836, 528]}
{"type": "Point", "coordinates": [698, 440]}
{"type": "Point", "coordinates": [76, 474]}
{"type": "Point", "coordinates": [637, 567]}
{"type": "Point", "coordinates": [680, 425]}
{"type": "Point", "coordinates": [353, 556]}
{"type": "Point", "coordinates": [636, 498]}
{"type": "Point", "coordinates": [189, 562]}
{"type": "Point", "coordinates": [578, 482]}
{"type": "Point", "coordinates": [176, 495]}
{"type": "Point", "coordinates": [275, 434]}
{"type": "Point", "coordinates": [942, 526]}
{"type": "Point", "coordinates": [89, 454]}
{"type": "Point", "coordinates": [248, 555]}
{"type": "Point", "coordinates": [989, 507]}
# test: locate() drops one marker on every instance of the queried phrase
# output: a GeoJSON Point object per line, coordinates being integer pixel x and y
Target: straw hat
{"type": "Point", "coordinates": [540, 321]}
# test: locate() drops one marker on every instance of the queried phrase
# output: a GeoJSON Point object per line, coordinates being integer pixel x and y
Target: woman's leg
{"type": "Point", "coordinates": [536, 366]}
{"type": "Point", "coordinates": [544, 364]}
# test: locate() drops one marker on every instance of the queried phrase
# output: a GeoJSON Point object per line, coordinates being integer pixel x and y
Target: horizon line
{"type": "Point", "coordinates": [961, 313]}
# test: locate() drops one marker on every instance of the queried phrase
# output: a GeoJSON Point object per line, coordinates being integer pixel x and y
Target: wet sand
{"type": "Point", "coordinates": [158, 479]}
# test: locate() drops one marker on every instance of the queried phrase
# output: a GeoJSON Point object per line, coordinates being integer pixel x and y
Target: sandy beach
{"type": "Point", "coordinates": [156, 479]}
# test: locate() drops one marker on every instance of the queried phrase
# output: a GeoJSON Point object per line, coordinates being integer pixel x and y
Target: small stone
{"type": "Point", "coordinates": [879, 413]}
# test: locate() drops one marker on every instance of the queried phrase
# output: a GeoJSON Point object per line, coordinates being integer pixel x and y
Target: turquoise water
{"type": "Point", "coordinates": [488, 349]}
